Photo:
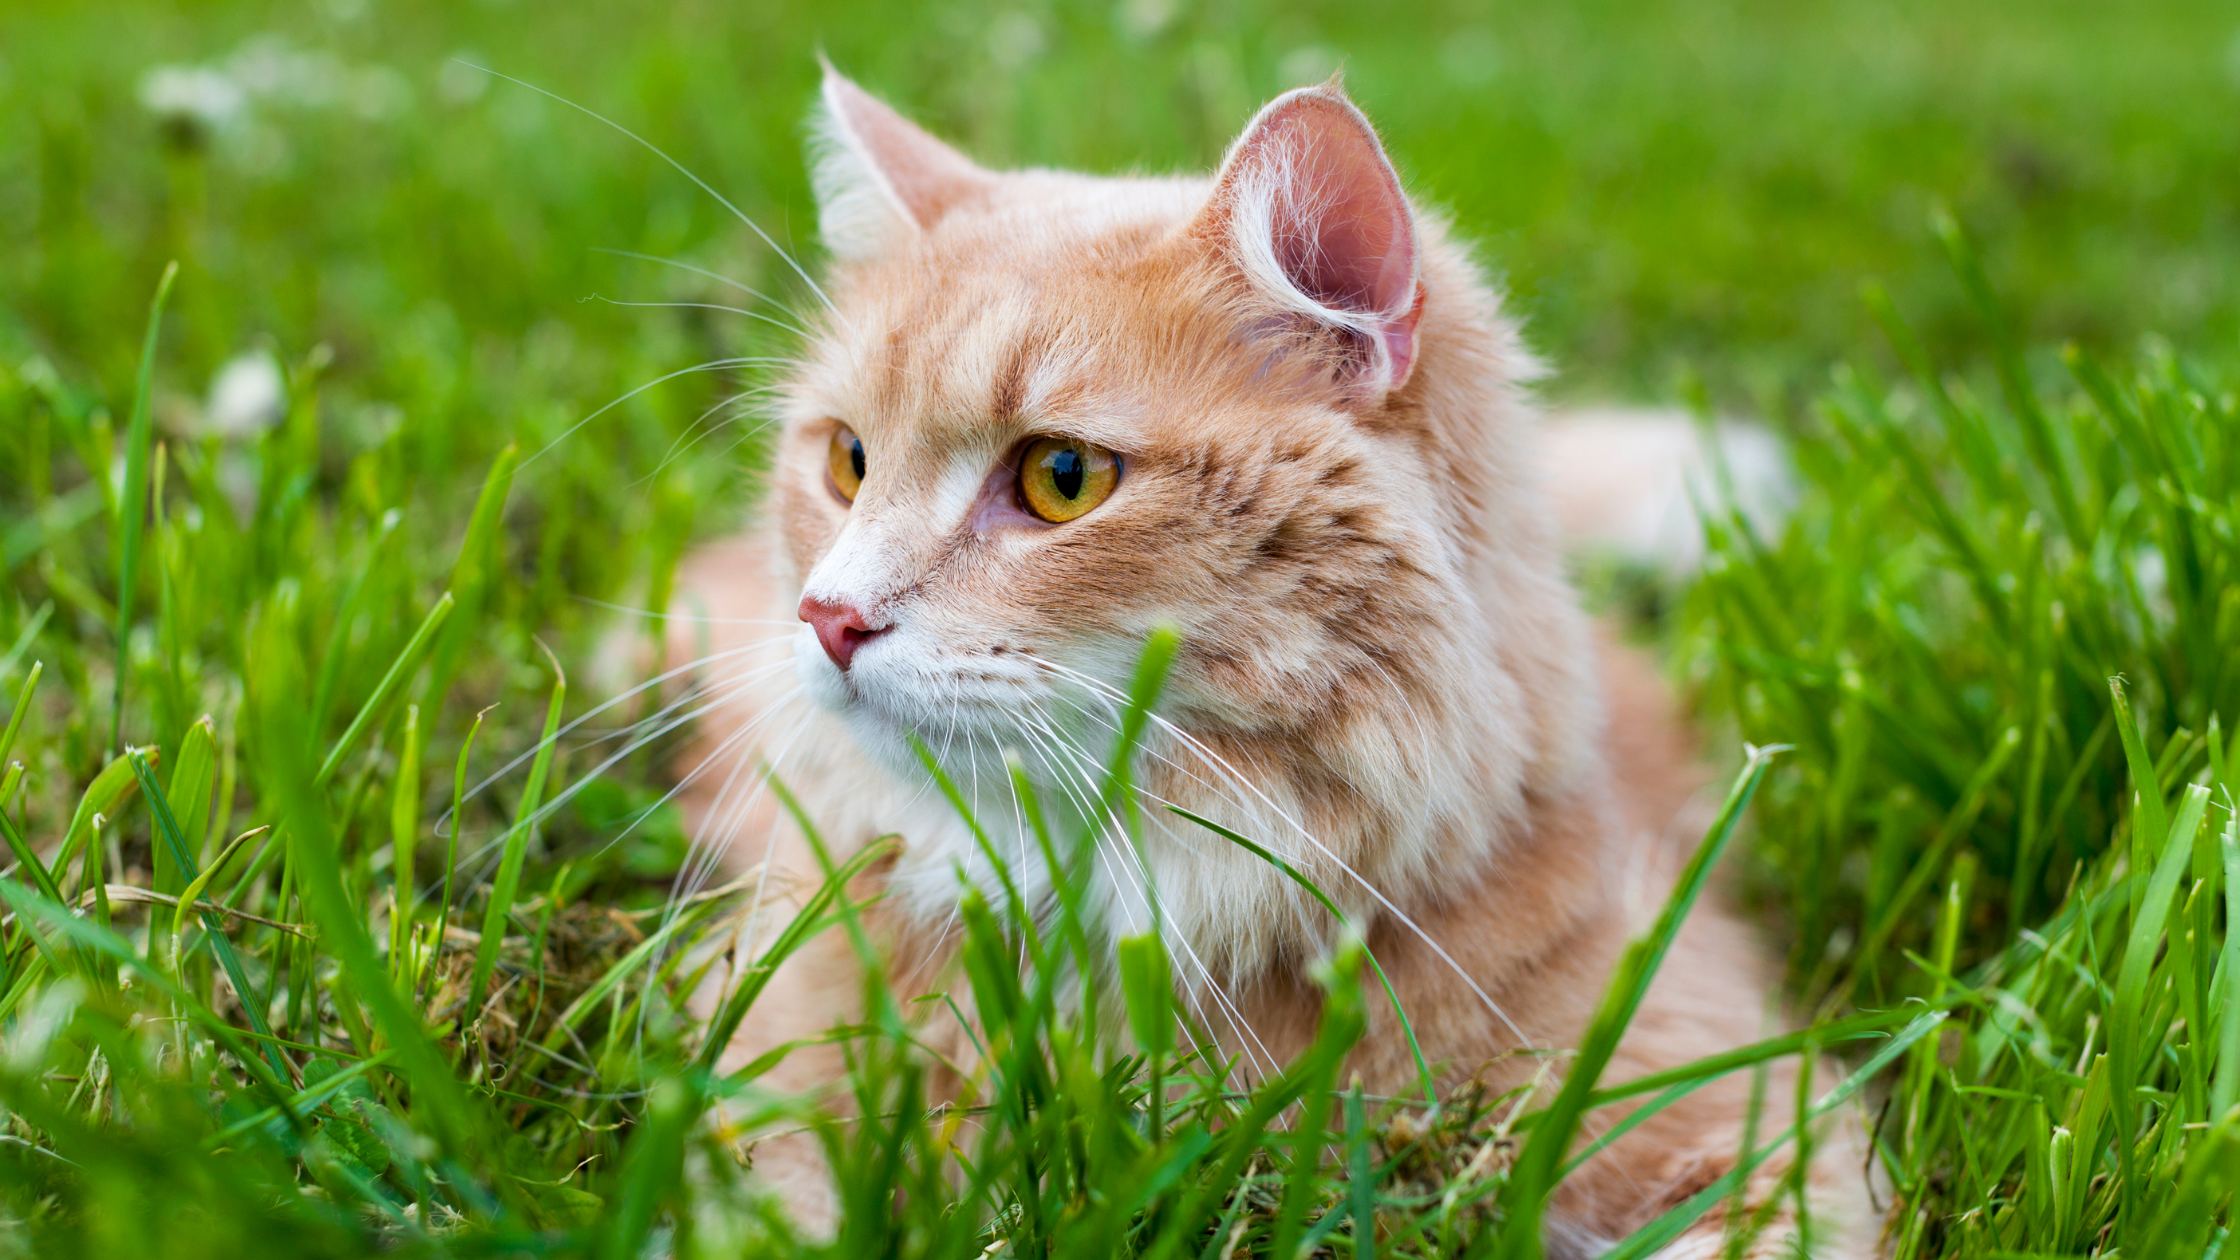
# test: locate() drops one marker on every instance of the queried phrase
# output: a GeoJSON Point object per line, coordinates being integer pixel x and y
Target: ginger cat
{"type": "Point", "coordinates": [1041, 413]}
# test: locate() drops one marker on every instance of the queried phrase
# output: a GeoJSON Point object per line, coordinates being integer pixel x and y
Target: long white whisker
{"type": "Point", "coordinates": [545, 810]}
{"type": "Point", "coordinates": [1081, 774]}
{"type": "Point", "coordinates": [702, 272]}
{"type": "Point", "coordinates": [712, 365]}
{"type": "Point", "coordinates": [681, 169]}
{"type": "Point", "coordinates": [651, 615]}
{"type": "Point", "coordinates": [1398, 914]}
{"type": "Point", "coordinates": [570, 728]}
{"type": "Point", "coordinates": [774, 322]}
{"type": "Point", "coordinates": [694, 434]}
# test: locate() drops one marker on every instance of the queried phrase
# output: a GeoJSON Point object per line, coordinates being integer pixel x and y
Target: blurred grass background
{"type": "Point", "coordinates": [1702, 182]}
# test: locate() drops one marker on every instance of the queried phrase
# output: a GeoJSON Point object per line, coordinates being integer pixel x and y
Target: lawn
{"type": "Point", "coordinates": [327, 534]}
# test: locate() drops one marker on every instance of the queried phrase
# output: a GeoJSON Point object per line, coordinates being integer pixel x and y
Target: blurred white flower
{"type": "Point", "coordinates": [1144, 19]}
{"type": "Point", "coordinates": [458, 82]}
{"type": "Point", "coordinates": [268, 65]}
{"type": "Point", "coordinates": [1306, 66]}
{"type": "Point", "coordinates": [1015, 39]}
{"type": "Point", "coordinates": [193, 95]}
{"type": "Point", "coordinates": [247, 396]}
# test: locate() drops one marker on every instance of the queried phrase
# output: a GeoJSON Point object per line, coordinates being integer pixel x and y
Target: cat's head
{"type": "Point", "coordinates": [1042, 413]}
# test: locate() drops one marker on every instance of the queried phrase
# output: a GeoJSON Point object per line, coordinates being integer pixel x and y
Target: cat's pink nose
{"type": "Point", "coordinates": [840, 628]}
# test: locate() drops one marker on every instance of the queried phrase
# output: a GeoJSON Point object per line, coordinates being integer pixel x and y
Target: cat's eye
{"type": "Point", "coordinates": [845, 462]}
{"type": "Point", "coordinates": [1061, 478]}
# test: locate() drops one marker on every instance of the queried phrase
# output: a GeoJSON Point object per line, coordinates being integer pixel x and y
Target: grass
{"type": "Point", "coordinates": [2003, 885]}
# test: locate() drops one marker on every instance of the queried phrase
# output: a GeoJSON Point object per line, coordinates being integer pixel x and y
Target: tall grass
{"type": "Point", "coordinates": [1996, 633]}
{"type": "Point", "coordinates": [201, 1074]}
{"type": "Point", "coordinates": [2003, 630]}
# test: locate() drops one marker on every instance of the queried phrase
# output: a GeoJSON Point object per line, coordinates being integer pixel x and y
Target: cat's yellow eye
{"type": "Point", "coordinates": [1061, 478]}
{"type": "Point", "coordinates": [845, 462]}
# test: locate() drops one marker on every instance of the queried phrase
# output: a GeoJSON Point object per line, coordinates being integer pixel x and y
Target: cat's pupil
{"type": "Point", "coordinates": [1067, 473]}
{"type": "Point", "coordinates": [855, 457]}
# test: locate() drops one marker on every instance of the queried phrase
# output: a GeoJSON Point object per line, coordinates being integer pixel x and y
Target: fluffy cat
{"type": "Point", "coordinates": [1041, 413]}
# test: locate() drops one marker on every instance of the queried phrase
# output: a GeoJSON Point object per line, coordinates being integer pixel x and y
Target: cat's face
{"type": "Point", "coordinates": [1040, 414]}
{"type": "Point", "coordinates": [1045, 414]}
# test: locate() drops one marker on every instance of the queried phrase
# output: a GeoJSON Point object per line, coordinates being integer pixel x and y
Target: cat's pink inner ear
{"type": "Point", "coordinates": [880, 176]}
{"type": "Point", "coordinates": [1316, 215]}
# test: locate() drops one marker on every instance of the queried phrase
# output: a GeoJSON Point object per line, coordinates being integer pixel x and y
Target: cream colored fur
{"type": "Point", "coordinates": [1334, 495]}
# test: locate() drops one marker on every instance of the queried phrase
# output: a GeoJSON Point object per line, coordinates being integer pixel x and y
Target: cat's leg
{"type": "Point", "coordinates": [1835, 1220]}
{"type": "Point", "coordinates": [1709, 997]}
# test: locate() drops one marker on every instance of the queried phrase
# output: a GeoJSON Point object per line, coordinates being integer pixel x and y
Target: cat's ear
{"type": "Point", "coordinates": [879, 178]}
{"type": "Point", "coordinates": [1312, 212]}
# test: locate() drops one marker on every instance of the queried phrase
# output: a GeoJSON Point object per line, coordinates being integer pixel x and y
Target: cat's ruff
{"type": "Point", "coordinates": [1329, 484]}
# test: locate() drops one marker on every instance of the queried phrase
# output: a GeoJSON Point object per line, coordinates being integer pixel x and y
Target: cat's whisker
{"type": "Point", "coordinates": [1077, 781]}
{"type": "Point", "coordinates": [1400, 916]}
{"type": "Point", "coordinates": [1112, 725]}
{"type": "Point", "coordinates": [712, 365]}
{"type": "Point", "coordinates": [706, 854]}
{"type": "Point", "coordinates": [664, 721]}
{"type": "Point", "coordinates": [774, 322]}
{"type": "Point", "coordinates": [694, 433]}
{"type": "Point", "coordinates": [545, 810]}
{"type": "Point", "coordinates": [1087, 762]}
{"type": "Point", "coordinates": [707, 851]}
{"type": "Point", "coordinates": [738, 815]}
{"type": "Point", "coordinates": [650, 615]}
{"type": "Point", "coordinates": [704, 273]}
{"type": "Point", "coordinates": [685, 171]}
{"type": "Point", "coordinates": [620, 697]}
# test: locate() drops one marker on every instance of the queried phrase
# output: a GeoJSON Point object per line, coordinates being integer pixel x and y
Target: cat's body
{"type": "Point", "coordinates": [1325, 478]}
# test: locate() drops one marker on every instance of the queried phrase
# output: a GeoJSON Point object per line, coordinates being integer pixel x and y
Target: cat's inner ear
{"type": "Point", "coordinates": [1313, 214]}
{"type": "Point", "coordinates": [879, 178]}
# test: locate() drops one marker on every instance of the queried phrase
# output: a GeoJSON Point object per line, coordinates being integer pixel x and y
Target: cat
{"type": "Point", "coordinates": [1039, 414]}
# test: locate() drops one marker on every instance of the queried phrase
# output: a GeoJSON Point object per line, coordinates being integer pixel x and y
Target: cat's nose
{"type": "Point", "coordinates": [840, 628]}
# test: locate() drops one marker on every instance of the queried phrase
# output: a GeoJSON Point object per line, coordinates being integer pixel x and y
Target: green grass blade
{"type": "Point", "coordinates": [97, 939]}
{"type": "Point", "coordinates": [472, 575]}
{"type": "Point", "coordinates": [26, 638]}
{"type": "Point", "coordinates": [678, 925]}
{"type": "Point", "coordinates": [195, 889]}
{"type": "Point", "coordinates": [806, 923]}
{"type": "Point", "coordinates": [404, 833]}
{"type": "Point", "coordinates": [508, 882]}
{"type": "Point", "coordinates": [167, 830]}
{"type": "Point", "coordinates": [2127, 1040]}
{"type": "Point", "coordinates": [22, 848]}
{"type": "Point", "coordinates": [2149, 820]}
{"type": "Point", "coordinates": [399, 670]}
{"type": "Point", "coordinates": [192, 780]}
{"type": "Point", "coordinates": [132, 508]}
{"type": "Point", "coordinates": [2226, 1089]}
{"type": "Point", "coordinates": [21, 711]}
{"type": "Point", "coordinates": [458, 820]}
{"type": "Point", "coordinates": [1534, 1175]}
